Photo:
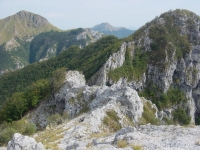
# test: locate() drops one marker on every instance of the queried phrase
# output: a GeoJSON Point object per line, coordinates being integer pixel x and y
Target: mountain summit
{"type": "Point", "coordinates": [23, 24]}
{"type": "Point", "coordinates": [108, 29]}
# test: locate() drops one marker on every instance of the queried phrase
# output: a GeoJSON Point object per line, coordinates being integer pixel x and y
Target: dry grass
{"type": "Point", "coordinates": [112, 121]}
{"type": "Point", "coordinates": [89, 145]}
{"type": "Point", "coordinates": [136, 147]}
{"type": "Point", "coordinates": [50, 137]}
{"type": "Point", "coordinates": [99, 134]}
{"type": "Point", "coordinates": [122, 143]}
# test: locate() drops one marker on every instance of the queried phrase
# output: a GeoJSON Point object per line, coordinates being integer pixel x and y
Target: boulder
{"type": "Point", "coordinates": [20, 142]}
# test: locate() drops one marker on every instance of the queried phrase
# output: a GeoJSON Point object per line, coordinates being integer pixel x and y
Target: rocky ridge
{"type": "Point", "coordinates": [89, 131]}
{"type": "Point", "coordinates": [169, 71]}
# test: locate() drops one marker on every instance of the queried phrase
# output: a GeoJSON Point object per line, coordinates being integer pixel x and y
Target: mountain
{"type": "Point", "coordinates": [108, 29]}
{"type": "Point", "coordinates": [23, 25]}
{"type": "Point", "coordinates": [118, 91]}
{"type": "Point", "coordinates": [28, 38]}
{"type": "Point", "coordinates": [50, 44]}
{"type": "Point", "coordinates": [16, 33]}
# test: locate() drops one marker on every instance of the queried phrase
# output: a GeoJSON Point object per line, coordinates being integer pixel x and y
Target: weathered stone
{"type": "Point", "coordinates": [20, 142]}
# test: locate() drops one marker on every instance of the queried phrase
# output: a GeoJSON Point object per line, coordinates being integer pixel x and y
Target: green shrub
{"type": "Point", "coordinates": [181, 117]}
{"type": "Point", "coordinates": [30, 129]}
{"type": "Point", "coordinates": [163, 100]}
{"type": "Point", "coordinates": [112, 121]}
{"type": "Point", "coordinates": [7, 130]}
{"type": "Point", "coordinates": [148, 115]}
{"type": "Point", "coordinates": [197, 120]}
{"type": "Point", "coordinates": [6, 135]}
{"type": "Point", "coordinates": [54, 119]}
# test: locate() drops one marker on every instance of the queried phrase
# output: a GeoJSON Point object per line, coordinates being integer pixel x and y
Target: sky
{"type": "Point", "coordinates": [69, 14]}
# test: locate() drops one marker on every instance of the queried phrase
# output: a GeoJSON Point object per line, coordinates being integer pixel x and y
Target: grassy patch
{"type": "Point", "coordinates": [122, 143]}
{"type": "Point", "coordinates": [7, 130]}
{"type": "Point", "coordinates": [136, 147]}
{"type": "Point", "coordinates": [148, 115]}
{"type": "Point", "coordinates": [112, 121]}
{"type": "Point", "coordinates": [50, 137]}
{"type": "Point", "coordinates": [54, 119]}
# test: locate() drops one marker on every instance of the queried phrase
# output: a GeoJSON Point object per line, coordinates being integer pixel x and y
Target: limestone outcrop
{"type": "Point", "coordinates": [20, 142]}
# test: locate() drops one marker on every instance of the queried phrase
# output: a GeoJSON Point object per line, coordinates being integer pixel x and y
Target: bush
{"type": "Point", "coordinates": [148, 115]}
{"type": "Point", "coordinates": [6, 135]}
{"type": "Point", "coordinates": [7, 130]}
{"type": "Point", "coordinates": [54, 119]}
{"type": "Point", "coordinates": [30, 129]}
{"type": "Point", "coordinates": [181, 117]}
{"type": "Point", "coordinates": [162, 100]}
{"type": "Point", "coordinates": [112, 121]}
{"type": "Point", "coordinates": [122, 143]}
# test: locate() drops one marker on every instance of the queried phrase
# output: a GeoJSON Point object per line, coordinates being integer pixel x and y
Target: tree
{"type": "Point", "coordinates": [19, 102]}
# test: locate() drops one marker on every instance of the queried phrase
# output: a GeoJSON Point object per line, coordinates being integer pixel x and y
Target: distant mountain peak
{"type": "Point", "coordinates": [108, 29]}
{"type": "Point", "coordinates": [23, 24]}
{"type": "Point", "coordinates": [37, 20]}
{"type": "Point", "coordinates": [105, 26]}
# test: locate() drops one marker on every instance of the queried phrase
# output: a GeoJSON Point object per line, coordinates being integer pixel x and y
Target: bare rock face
{"type": "Point", "coordinates": [36, 20]}
{"type": "Point", "coordinates": [160, 137]}
{"type": "Point", "coordinates": [73, 81]}
{"type": "Point", "coordinates": [115, 60]}
{"type": "Point", "coordinates": [20, 142]}
{"type": "Point", "coordinates": [93, 35]}
{"type": "Point", "coordinates": [76, 96]}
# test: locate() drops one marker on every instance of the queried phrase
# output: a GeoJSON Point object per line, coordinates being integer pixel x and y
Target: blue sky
{"type": "Point", "coordinates": [68, 14]}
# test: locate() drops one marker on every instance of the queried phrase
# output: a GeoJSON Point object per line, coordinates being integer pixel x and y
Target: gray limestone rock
{"type": "Point", "coordinates": [114, 61]}
{"type": "Point", "coordinates": [20, 142]}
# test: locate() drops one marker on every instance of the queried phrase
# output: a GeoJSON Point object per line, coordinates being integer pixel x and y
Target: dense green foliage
{"type": "Point", "coordinates": [181, 117]}
{"type": "Point", "coordinates": [8, 129]}
{"type": "Point", "coordinates": [197, 119]}
{"type": "Point", "coordinates": [173, 96]}
{"type": "Point", "coordinates": [23, 89]}
{"type": "Point", "coordinates": [163, 100]}
{"type": "Point", "coordinates": [20, 102]}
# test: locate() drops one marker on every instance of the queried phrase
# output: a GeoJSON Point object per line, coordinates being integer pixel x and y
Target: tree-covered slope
{"type": "Point", "coordinates": [50, 44]}
{"type": "Point", "coordinates": [87, 60]}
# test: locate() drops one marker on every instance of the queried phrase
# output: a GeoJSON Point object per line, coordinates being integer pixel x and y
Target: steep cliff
{"type": "Point", "coordinates": [163, 57]}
